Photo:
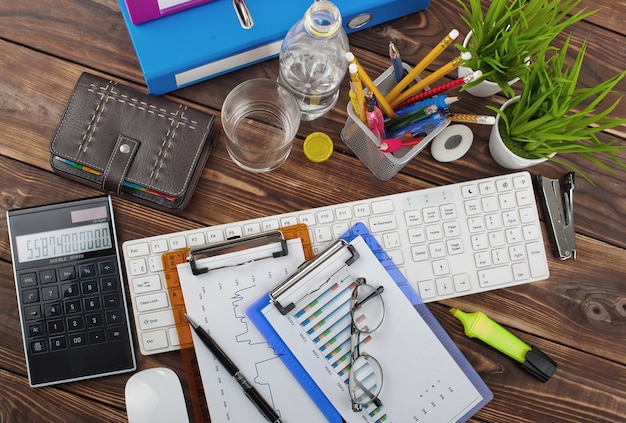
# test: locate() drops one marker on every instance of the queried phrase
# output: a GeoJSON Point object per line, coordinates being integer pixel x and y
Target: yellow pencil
{"type": "Point", "coordinates": [433, 77]}
{"type": "Point", "coordinates": [479, 119]}
{"type": "Point", "coordinates": [367, 81]}
{"type": "Point", "coordinates": [430, 57]}
{"type": "Point", "coordinates": [357, 88]}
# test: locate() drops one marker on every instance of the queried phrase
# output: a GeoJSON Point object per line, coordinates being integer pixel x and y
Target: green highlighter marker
{"type": "Point", "coordinates": [479, 325]}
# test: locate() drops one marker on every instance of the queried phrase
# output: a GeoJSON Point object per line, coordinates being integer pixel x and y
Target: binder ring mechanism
{"type": "Point", "coordinates": [299, 281]}
{"type": "Point", "coordinates": [236, 245]}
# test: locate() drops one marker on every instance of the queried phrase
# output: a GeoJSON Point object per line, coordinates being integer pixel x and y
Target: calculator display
{"type": "Point", "coordinates": [62, 242]}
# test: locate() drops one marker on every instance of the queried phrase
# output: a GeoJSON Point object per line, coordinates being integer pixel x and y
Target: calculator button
{"type": "Point", "coordinates": [78, 340]}
{"type": "Point", "coordinates": [67, 273]}
{"type": "Point", "coordinates": [87, 270]}
{"type": "Point", "coordinates": [57, 344]}
{"type": "Point", "coordinates": [50, 293]}
{"type": "Point", "coordinates": [113, 317]}
{"type": "Point", "coordinates": [69, 290]}
{"type": "Point", "coordinates": [48, 276]}
{"type": "Point", "coordinates": [91, 304]}
{"type": "Point", "coordinates": [106, 267]}
{"type": "Point", "coordinates": [39, 346]}
{"type": "Point", "coordinates": [108, 284]}
{"type": "Point", "coordinates": [52, 310]}
{"type": "Point", "coordinates": [55, 326]}
{"type": "Point", "coordinates": [36, 329]}
{"type": "Point", "coordinates": [111, 300]}
{"type": "Point", "coordinates": [89, 287]}
{"type": "Point", "coordinates": [94, 320]}
{"type": "Point", "coordinates": [32, 312]}
{"type": "Point", "coordinates": [117, 334]}
{"type": "Point", "coordinates": [75, 323]}
{"type": "Point", "coordinates": [97, 337]}
{"type": "Point", "coordinates": [28, 280]}
{"type": "Point", "coordinates": [30, 296]}
{"type": "Point", "coordinates": [72, 307]}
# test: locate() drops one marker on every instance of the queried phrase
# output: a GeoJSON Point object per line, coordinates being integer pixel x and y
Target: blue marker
{"type": "Point", "coordinates": [419, 127]}
{"type": "Point", "coordinates": [441, 101]}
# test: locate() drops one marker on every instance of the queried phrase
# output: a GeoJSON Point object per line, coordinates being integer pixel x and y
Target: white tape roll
{"type": "Point", "coordinates": [452, 143]}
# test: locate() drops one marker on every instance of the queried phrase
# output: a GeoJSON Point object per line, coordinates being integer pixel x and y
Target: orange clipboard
{"type": "Point", "coordinates": [170, 260]}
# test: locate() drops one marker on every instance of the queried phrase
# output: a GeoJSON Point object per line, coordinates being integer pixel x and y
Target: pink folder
{"type": "Point", "coordinates": [147, 10]}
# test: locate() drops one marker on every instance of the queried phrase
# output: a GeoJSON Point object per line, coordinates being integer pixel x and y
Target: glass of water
{"type": "Point", "coordinates": [260, 118]}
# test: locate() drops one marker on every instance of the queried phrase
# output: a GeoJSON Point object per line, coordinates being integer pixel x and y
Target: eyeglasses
{"type": "Point", "coordinates": [367, 311]}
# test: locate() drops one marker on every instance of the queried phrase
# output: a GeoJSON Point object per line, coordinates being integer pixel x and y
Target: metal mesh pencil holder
{"type": "Point", "coordinates": [365, 144]}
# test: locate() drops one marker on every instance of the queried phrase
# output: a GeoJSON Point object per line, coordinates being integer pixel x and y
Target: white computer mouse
{"type": "Point", "coordinates": [156, 396]}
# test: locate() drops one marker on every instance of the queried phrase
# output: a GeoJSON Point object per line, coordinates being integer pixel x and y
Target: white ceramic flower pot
{"type": "Point", "coordinates": [501, 153]}
{"type": "Point", "coordinates": [485, 88]}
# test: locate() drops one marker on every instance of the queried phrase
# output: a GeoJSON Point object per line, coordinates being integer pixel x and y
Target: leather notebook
{"type": "Point", "coordinates": [128, 143]}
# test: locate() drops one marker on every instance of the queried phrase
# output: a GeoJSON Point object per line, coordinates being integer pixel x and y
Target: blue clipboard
{"type": "Point", "coordinates": [255, 314]}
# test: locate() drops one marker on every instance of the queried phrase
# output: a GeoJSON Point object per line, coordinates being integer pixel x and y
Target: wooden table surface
{"type": "Point", "coordinates": [577, 316]}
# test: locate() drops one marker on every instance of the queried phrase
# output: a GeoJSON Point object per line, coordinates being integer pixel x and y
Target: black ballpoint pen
{"type": "Point", "coordinates": [253, 395]}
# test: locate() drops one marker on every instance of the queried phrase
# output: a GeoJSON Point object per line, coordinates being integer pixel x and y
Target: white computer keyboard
{"type": "Point", "coordinates": [448, 241]}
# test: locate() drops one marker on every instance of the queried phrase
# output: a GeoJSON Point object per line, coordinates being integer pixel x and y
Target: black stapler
{"type": "Point", "coordinates": [560, 210]}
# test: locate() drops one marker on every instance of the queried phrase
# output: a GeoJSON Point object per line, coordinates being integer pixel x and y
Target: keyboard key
{"type": "Point", "coordinates": [154, 340]}
{"type": "Point", "coordinates": [469, 191]}
{"type": "Point", "coordinates": [427, 289]}
{"type": "Point", "coordinates": [385, 206]}
{"type": "Point", "coordinates": [195, 240]}
{"type": "Point", "coordinates": [461, 282]}
{"type": "Point", "coordinates": [444, 286]}
{"type": "Point", "coordinates": [343, 213]}
{"type": "Point", "coordinates": [447, 212]}
{"type": "Point", "coordinates": [158, 246]}
{"type": "Point", "coordinates": [252, 229]}
{"type": "Point", "coordinates": [138, 249]}
{"type": "Point", "coordinates": [361, 210]}
{"type": "Point", "coordinates": [157, 319]}
{"type": "Point", "coordinates": [419, 253]}
{"type": "Point", "coordinates": [412, 218]}
{"type": "Point", "coordinates": [440, 267]}
{"type": "Point", "coordinates": [137, 267]}
{"type": "Point", "coordinates": [503, 185]}
{"type": "Point", "coordinates": [382, 223]}
{"type": "Point", "coordinates": [152, 301]}
{"type": "Point", "coordinates": [431, 214]}
{"type": "Point", "coordinates": [325, 217]}
{"type": "Point", "coordinates": [495, 276]}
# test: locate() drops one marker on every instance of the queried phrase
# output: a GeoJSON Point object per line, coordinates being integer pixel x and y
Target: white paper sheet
{"type": "Point", "coordinates": [217, 300]}
{"type": "Point", "coordinates": [422, 382]}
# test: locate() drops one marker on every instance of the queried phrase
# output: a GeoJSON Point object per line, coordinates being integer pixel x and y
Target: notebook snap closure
{"type": "Point", "coordinates": [125, 148]}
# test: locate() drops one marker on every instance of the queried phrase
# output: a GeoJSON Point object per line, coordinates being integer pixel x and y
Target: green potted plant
{"type": "Point", "coordinates": [552, 116]}
{"type": "Point", "coordinates": [508, 36]}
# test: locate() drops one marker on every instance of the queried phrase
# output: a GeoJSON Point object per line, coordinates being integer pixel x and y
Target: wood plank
{"type": "Point", "coordinates": [49, 404]}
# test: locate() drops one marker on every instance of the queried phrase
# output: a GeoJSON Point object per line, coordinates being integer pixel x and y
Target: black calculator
{"type": "Point", "coordinates": [70, 291]}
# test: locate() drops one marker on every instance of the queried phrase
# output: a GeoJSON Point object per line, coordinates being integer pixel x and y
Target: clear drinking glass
{"type": "Point", "coordinates": [260, 118]}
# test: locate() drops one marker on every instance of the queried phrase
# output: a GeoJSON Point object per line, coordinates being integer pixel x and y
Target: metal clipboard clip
{"type": "Point", "coordinates": [560, 209]}
{"type": "Point", "coordinates": [235, 245]}
{"type": "Point", "coordinates": [286, 288]}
